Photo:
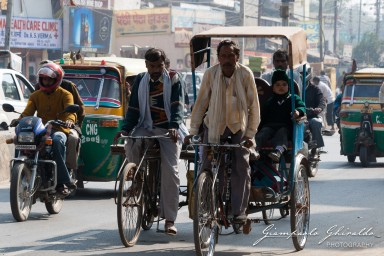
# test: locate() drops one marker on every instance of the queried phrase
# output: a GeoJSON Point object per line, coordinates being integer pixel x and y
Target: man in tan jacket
{"type": "Point", "coordinates": [229, 90]}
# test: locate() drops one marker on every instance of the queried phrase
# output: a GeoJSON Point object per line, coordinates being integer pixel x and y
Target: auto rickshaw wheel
{"type": "Point", "coordinates": [364, 156]}
{"type": "Point", "coordinates": [351, 158]}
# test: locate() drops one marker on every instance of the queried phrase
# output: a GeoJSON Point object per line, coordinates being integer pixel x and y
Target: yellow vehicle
{"type": "Point", "coordinates": [103, 84]}
{"type": "Point", "coordinates": [361, 117]}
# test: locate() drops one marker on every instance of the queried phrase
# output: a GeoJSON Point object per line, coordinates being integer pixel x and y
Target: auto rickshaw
{"type": "Point", "coordinates": [361, 118]}
{"type": "Point", "coordinates": [103, 84]}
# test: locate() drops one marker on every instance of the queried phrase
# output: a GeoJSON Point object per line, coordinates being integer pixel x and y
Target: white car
{"type": "Point", "coordinates": [15, 89]}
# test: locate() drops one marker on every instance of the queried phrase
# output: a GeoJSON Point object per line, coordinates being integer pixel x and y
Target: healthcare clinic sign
{"type": "Point", "coordinates": [33, 33]}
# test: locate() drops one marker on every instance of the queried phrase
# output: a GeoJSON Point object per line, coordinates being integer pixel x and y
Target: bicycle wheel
{"type": "Point", "coordinates": [300, 209]}
{"type": "Point", "coordinates": [150, 197]}
{"type": "Point", "coordinates": [130, 205]}
{"type": "Point", "coordinates": [205, 228]}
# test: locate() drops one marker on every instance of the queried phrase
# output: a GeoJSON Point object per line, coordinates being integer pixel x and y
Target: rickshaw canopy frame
{"type": "Point", "coordinates": [295, 36]}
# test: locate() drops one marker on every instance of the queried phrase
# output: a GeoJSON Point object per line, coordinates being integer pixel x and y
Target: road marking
{"type": "Point", "coordinates": [49, 244]}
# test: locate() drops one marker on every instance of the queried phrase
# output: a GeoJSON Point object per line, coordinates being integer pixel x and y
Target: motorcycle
{"type": "Point", "coordinates": [312, 152]}
{"type": "Point", "coordinates": [33, 172]}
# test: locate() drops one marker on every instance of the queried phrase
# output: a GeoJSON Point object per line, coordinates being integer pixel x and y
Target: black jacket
{"type": "Point", "coordinates": [313, 99]}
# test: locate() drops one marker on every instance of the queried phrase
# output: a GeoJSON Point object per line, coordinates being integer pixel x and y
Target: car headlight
{"type": "Point", "coordinates": [26, 137]}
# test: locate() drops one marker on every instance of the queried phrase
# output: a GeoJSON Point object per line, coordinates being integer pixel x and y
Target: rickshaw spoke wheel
{"type": "Point", "coordinates": [300, 209]}
{"type": "Point", "coordinates": [129, 205]}
{"type": "Point", "coordinates": [205, 228]}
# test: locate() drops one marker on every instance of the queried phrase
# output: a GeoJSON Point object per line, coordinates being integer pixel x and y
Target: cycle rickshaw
{"type": "Point", "coordinates": [211, 206]}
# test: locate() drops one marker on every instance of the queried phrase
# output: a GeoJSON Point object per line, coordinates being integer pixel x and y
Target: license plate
{"type": "Point", "coordinates": [24, 147]}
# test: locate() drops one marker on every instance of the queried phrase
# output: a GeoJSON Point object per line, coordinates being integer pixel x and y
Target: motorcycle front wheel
{"type": "Point", "coordinates": [20, 198]}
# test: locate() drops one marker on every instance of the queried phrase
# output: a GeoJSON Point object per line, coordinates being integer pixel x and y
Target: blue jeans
{"type": "Point", "coordinates": [58, 148]}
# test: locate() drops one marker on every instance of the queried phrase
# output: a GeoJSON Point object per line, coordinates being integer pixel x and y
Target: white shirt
{"type": "Point", "coordinates": [327, 93]}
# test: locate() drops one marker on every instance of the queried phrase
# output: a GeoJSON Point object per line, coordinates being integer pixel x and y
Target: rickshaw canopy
{"type": "Point", "coordinates": [295, 36]}
{"type": "Point", "coordinates": [131, 66]}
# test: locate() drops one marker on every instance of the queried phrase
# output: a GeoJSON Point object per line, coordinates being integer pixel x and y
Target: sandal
{"type": "Point", "coordinates": [170, 228]}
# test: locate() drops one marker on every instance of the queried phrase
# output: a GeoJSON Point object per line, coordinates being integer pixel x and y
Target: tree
{"type": "Point", "coordinates": [369, 49]}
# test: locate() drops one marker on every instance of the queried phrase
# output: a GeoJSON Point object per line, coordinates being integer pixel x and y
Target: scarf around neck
{"type": "Point", "coordinates": [145, 119]}
{"type": "Point", "coordinates": [217, 104]}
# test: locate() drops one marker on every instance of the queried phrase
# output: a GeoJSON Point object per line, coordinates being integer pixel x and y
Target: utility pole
{"type": "Point", "coordinates": [378, 3]}
{"type": "Point", "coordinates": [358, 34]}
{"type": "Point", "coordinates": [284, 12]}
{"type": "Point", "coordinates": [242, 20]}
{"type": "Point", "coordinates": [321, 30]}
{"type": "Point", "coordinates": [8, 21]}
{"type": "Point", "coordinates": [335, 29]}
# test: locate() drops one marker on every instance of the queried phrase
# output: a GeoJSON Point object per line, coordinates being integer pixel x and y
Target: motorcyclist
{"type": "Point", "coordinates": [50, 100]}
{"type": "Point", "coordinates": [73, 143]}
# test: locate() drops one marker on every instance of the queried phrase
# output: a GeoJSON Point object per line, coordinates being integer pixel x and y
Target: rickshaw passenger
{"type": "Point", "coordinates": [276, 120]}
{"type": "Point", "coordinates": [156, 108]}
{"type": "Point", "coordinates": [280, 61]}
{"type": "Point", "coordinates": [315, 104]}
{"type": "Point", "coordinates": [230, 91]}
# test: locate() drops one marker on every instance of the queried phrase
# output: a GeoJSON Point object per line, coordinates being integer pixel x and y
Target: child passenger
{"type": "Point", "coordinates": [276, 116]}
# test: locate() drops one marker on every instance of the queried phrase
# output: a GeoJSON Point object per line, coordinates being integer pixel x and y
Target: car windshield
{"type": "Point", "coordinates": [91, 88]}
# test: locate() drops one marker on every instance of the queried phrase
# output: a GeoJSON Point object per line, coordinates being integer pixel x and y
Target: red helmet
{"type": "Point", "coordinates": [51, 70]}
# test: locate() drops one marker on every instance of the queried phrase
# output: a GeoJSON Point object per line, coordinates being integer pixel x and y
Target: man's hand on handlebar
{"type": "Point", "coordinates": [118, 135]}
{"type": "Point", "coordinates": [247, 142]}
{"type": "Point", "coordinates": [187, 139]}
{"type": "Point", "coordinates": [173, 134]}
{"type": "Point", "coordinates": [69, 123]}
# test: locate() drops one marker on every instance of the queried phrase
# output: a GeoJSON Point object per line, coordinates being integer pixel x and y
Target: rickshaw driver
{"type": "Point", "coordinates": [156, 108]}
{"type": "Point", "coordinates": [280, 61]}
{"type": "Point", "coordinates": [229, 89]}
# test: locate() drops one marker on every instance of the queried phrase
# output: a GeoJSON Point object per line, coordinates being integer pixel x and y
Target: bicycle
{"type": "Point", "coordinates": [138, 192]}
{"type": "Point", "coordinates": [213, 200]}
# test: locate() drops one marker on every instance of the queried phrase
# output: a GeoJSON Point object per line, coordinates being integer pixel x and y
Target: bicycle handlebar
{"type": "Point", "coordinates": [196, 141]}
{"type": "Point", "coordinates": [166, 135]}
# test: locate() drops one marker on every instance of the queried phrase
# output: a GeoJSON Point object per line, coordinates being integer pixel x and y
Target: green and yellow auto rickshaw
{"type": "Point", "coordinates": [103, 84]}
{"type": "Point", "coordinates": [361, 117]}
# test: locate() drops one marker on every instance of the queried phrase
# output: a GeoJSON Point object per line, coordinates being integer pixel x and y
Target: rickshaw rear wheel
{"type": "Point", "coordinates": [205, 228]}
{"type": "Point", "coordinates": [300, 208]}
{"type": "Point", "coordinates": [130, 205]}
{"type": "Point", "coordinates": [351, 158]}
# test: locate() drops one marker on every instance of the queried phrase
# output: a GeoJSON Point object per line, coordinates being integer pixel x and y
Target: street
{"type": "Point", "coordinates": [346, 219]}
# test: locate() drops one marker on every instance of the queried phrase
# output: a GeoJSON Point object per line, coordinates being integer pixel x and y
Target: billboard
{"type": "Point", "coordinates": [89, 30]}
{"type": "Point", "coordinates": [312, 28]}
{"type": "Point", "coordinates": [32, 33]}
{"type": "Point", "coordinates": [143, 21]}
